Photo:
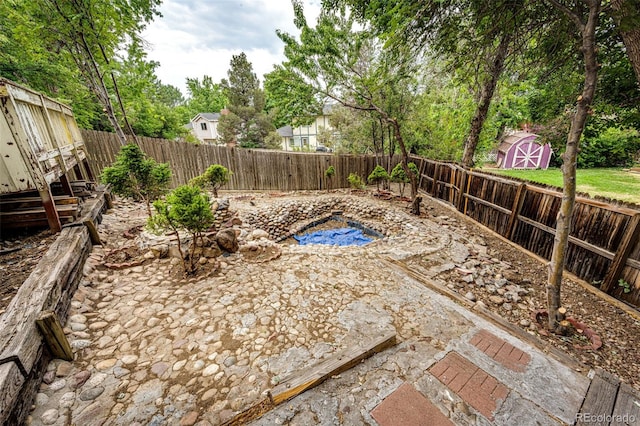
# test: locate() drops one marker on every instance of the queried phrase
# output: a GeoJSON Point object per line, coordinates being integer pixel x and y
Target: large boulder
{"type": "Point", "coordinates": [227, 240]}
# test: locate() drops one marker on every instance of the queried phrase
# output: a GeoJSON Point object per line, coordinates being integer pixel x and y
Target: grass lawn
{"type": "Point", "coordinates": [610, 183]}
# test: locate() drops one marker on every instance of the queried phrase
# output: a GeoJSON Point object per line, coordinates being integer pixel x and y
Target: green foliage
{"type": "Point", "coordinates": [246, 124]}
{"type": "Point", "coordinates": [400, 176]}
{"type": "Point", "coordinates": [330, 172]}
{"type": "Point", "coordinates": [185, 208]}
{"type": "Point", "coordinates": [273, 140]}
{"type": "Point", "coordinates": [614, 147]}
{"type": "Point", "coordinates": [378, 175]}
{"type": "Point", "coordinates": [214, 177]}
{"type": "Point", "coordinates": [136, 176]}
{"type": "Point", "coordinates": [204, 96]}
{"type": "Point", "coordinates": [289, 98]}
{"type": "Point", "coordinates": [355, 181]}
{"type": "Point", "coordinates": [626, 287]}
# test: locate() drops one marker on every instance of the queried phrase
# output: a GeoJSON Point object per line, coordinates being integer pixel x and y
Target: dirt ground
{"type": "Point", "coordinates": [619, 332]}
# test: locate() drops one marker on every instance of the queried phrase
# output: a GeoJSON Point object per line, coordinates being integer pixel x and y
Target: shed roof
{"type": "Point", "coordinates": [513, 138]}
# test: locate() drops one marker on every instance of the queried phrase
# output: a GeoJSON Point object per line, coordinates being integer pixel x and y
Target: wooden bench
{"type": "Point", "coordinates": [609, 402]}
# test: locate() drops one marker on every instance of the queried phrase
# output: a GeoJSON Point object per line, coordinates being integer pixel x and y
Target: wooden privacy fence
{"type": "Point", "coordinates": [253, 169]}
{"type": "Point", "coordinates": [604, 248]}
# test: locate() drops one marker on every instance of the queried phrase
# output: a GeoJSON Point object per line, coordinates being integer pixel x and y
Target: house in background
{"type": "Point", "coordinates": [305, 138]}
{"type": "Point", "coordinates": [204, 126]}
{"type": "Point", "coordinates": [521, 150]}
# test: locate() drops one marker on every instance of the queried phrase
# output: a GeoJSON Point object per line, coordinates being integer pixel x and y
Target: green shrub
{"type": "Point", "coordinates": [398, 175]}
{"type": "Point", "coordinates": [136, 176]}
{"type": "Point", "coordinates": [185, 208]}
{"type": "Point", "coordinates": [379, 174]}
{"type": "Point", "coordinates": [329, 173]}
{"type": "Point", "coordinates": [213, 178]}
{"type": "Point", "coordinates": [614, 147]}
{"type": "Point", "coordinates": [355, 181]}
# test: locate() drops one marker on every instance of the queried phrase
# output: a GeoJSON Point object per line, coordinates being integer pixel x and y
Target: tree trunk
{"type": "Point", "coordinates": [486, 95]}
{"type": "Point", "coordinates": [626, 16]}
{"type": "Point", "coordinates": [563, 226]}
{"type": "Point", "coordinates": [405, 157]}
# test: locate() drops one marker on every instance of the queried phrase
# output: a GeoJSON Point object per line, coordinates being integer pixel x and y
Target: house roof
{"type": "Point", "coordinates": [513, 138]}
{"type": "Point", "coordinates": [285, 131]}
{"type": "Point", "coordinates": [211, 116]}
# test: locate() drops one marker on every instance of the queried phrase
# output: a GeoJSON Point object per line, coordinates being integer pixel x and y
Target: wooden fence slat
{"type": "Point", "coordinates": [521, 193]}
{"type": "Point", "coordinates": [622, 254]}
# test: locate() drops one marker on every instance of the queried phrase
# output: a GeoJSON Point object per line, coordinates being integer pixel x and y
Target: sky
{"type": "Point", "coordinates": [194, 38]}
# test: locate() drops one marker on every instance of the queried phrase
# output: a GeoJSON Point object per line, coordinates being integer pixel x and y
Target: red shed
{"type": "Point", "coordinates": [520, 150]}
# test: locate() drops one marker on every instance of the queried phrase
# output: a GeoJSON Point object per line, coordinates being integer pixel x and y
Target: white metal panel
{"type": "Point", "coordinates": [48, 134]}
{"type": "Point", "coordinates": [14, 176]}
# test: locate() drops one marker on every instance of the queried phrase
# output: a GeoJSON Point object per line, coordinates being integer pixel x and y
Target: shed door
{"type": "Point", "coordinates": [527, 155]}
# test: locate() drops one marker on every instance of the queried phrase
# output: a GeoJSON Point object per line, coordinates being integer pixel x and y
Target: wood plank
{"type": "Point", "coordinates": [41, 292]}
{"type": "Point", "coordinates": [627, 408]}
{"type": "Point", "coordinates": [12, 203]}
{"type": "Point", "coordinates": [18, 215]}
{"type": "Point", "coordinates": [11, 381]}
{"type": "Point", "coordinates": [342, 361]}
{"type": "Point", "coordinates": [622, 254]}
{"type": "Point", "coordinates": [594, 249]}
{"type": "Point", "coordinates": [600, 399]}
{"type": "Point", "coordinates": [488, 204]}
{"type": "Point", "coordinates": [51, 329]}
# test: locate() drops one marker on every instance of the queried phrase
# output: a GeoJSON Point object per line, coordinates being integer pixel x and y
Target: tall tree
{"type": "Point", "coordinates": [627, 17]}
{"type": "Point", "coordinates": [289, 99]}
{"type": "Point", "coordinates": [204, 96]}
{"type": "Point", "coordinates": [585, 15]}
{"type": "Point", "coordinates": [149, 104]}
{"type": "Point", "coordinates": [477, 36]}
{"type": "Point", "coordinates": [92, 32]}
{"type": "Point", "coordinates": [246, 121]}
{"type": "Point", "coordinates": [352, 68]}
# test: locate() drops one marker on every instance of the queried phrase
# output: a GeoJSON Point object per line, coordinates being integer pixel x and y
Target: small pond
{"type": "Point", "coordinates": [336, 231]}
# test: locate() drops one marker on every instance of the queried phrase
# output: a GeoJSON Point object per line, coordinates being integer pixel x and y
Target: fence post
{"type": "Point", "coordinates": [461, 191]}
{"type": "Point", "coordinates": [620, 259]}
{"type": "Point", "coordinates": [518, 201]}
{"type": "Point", "coordinates": [436, 176]}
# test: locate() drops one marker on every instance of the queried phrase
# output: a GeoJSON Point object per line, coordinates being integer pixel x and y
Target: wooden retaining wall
{"type": "Point", "coordinates": [604, 247]}
{"type": "Point", "coordinates": [50, 287]}
{"type": "Point", "coordinates": [253, 169]}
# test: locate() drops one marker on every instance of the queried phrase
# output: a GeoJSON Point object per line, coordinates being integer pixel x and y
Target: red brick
{"type": "Point", "coordinates": [489, 384]}
{"type": "Point", "coordinates": [408, 407]}
{"type": "Point", "coordinates": [501, 351]}
{"type": "Point", "coordinates": [472, 384]}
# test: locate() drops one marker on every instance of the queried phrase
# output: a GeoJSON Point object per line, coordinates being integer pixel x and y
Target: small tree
{"type": "Point", "coordinates": [355, 181]}
{"type": "Point", "coordinates": [214, 177]}
{"type": "Point", "coordinates": [329, 173]}
{"type": "Point", "coordinates": [185, 208]}
{"type": "Point", "coordinates": [136, 176]}
{"type": "Point", "coordinates": [379, 174]}
{"type": "Point", "coordinates": [398, 175]}
{"type": "Point", "coordinates": [273, 140]}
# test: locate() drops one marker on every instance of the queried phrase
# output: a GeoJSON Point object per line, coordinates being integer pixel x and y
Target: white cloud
{"type": "Point", "coordinates": [194, 38]}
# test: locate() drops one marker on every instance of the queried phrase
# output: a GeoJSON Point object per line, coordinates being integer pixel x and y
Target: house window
{"type": "Point", "coordinates": [291, 142]}
{"type": "Point", "coordinates": [305, 142]}
{"type": "Point", "coordinates": [203, 126]}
